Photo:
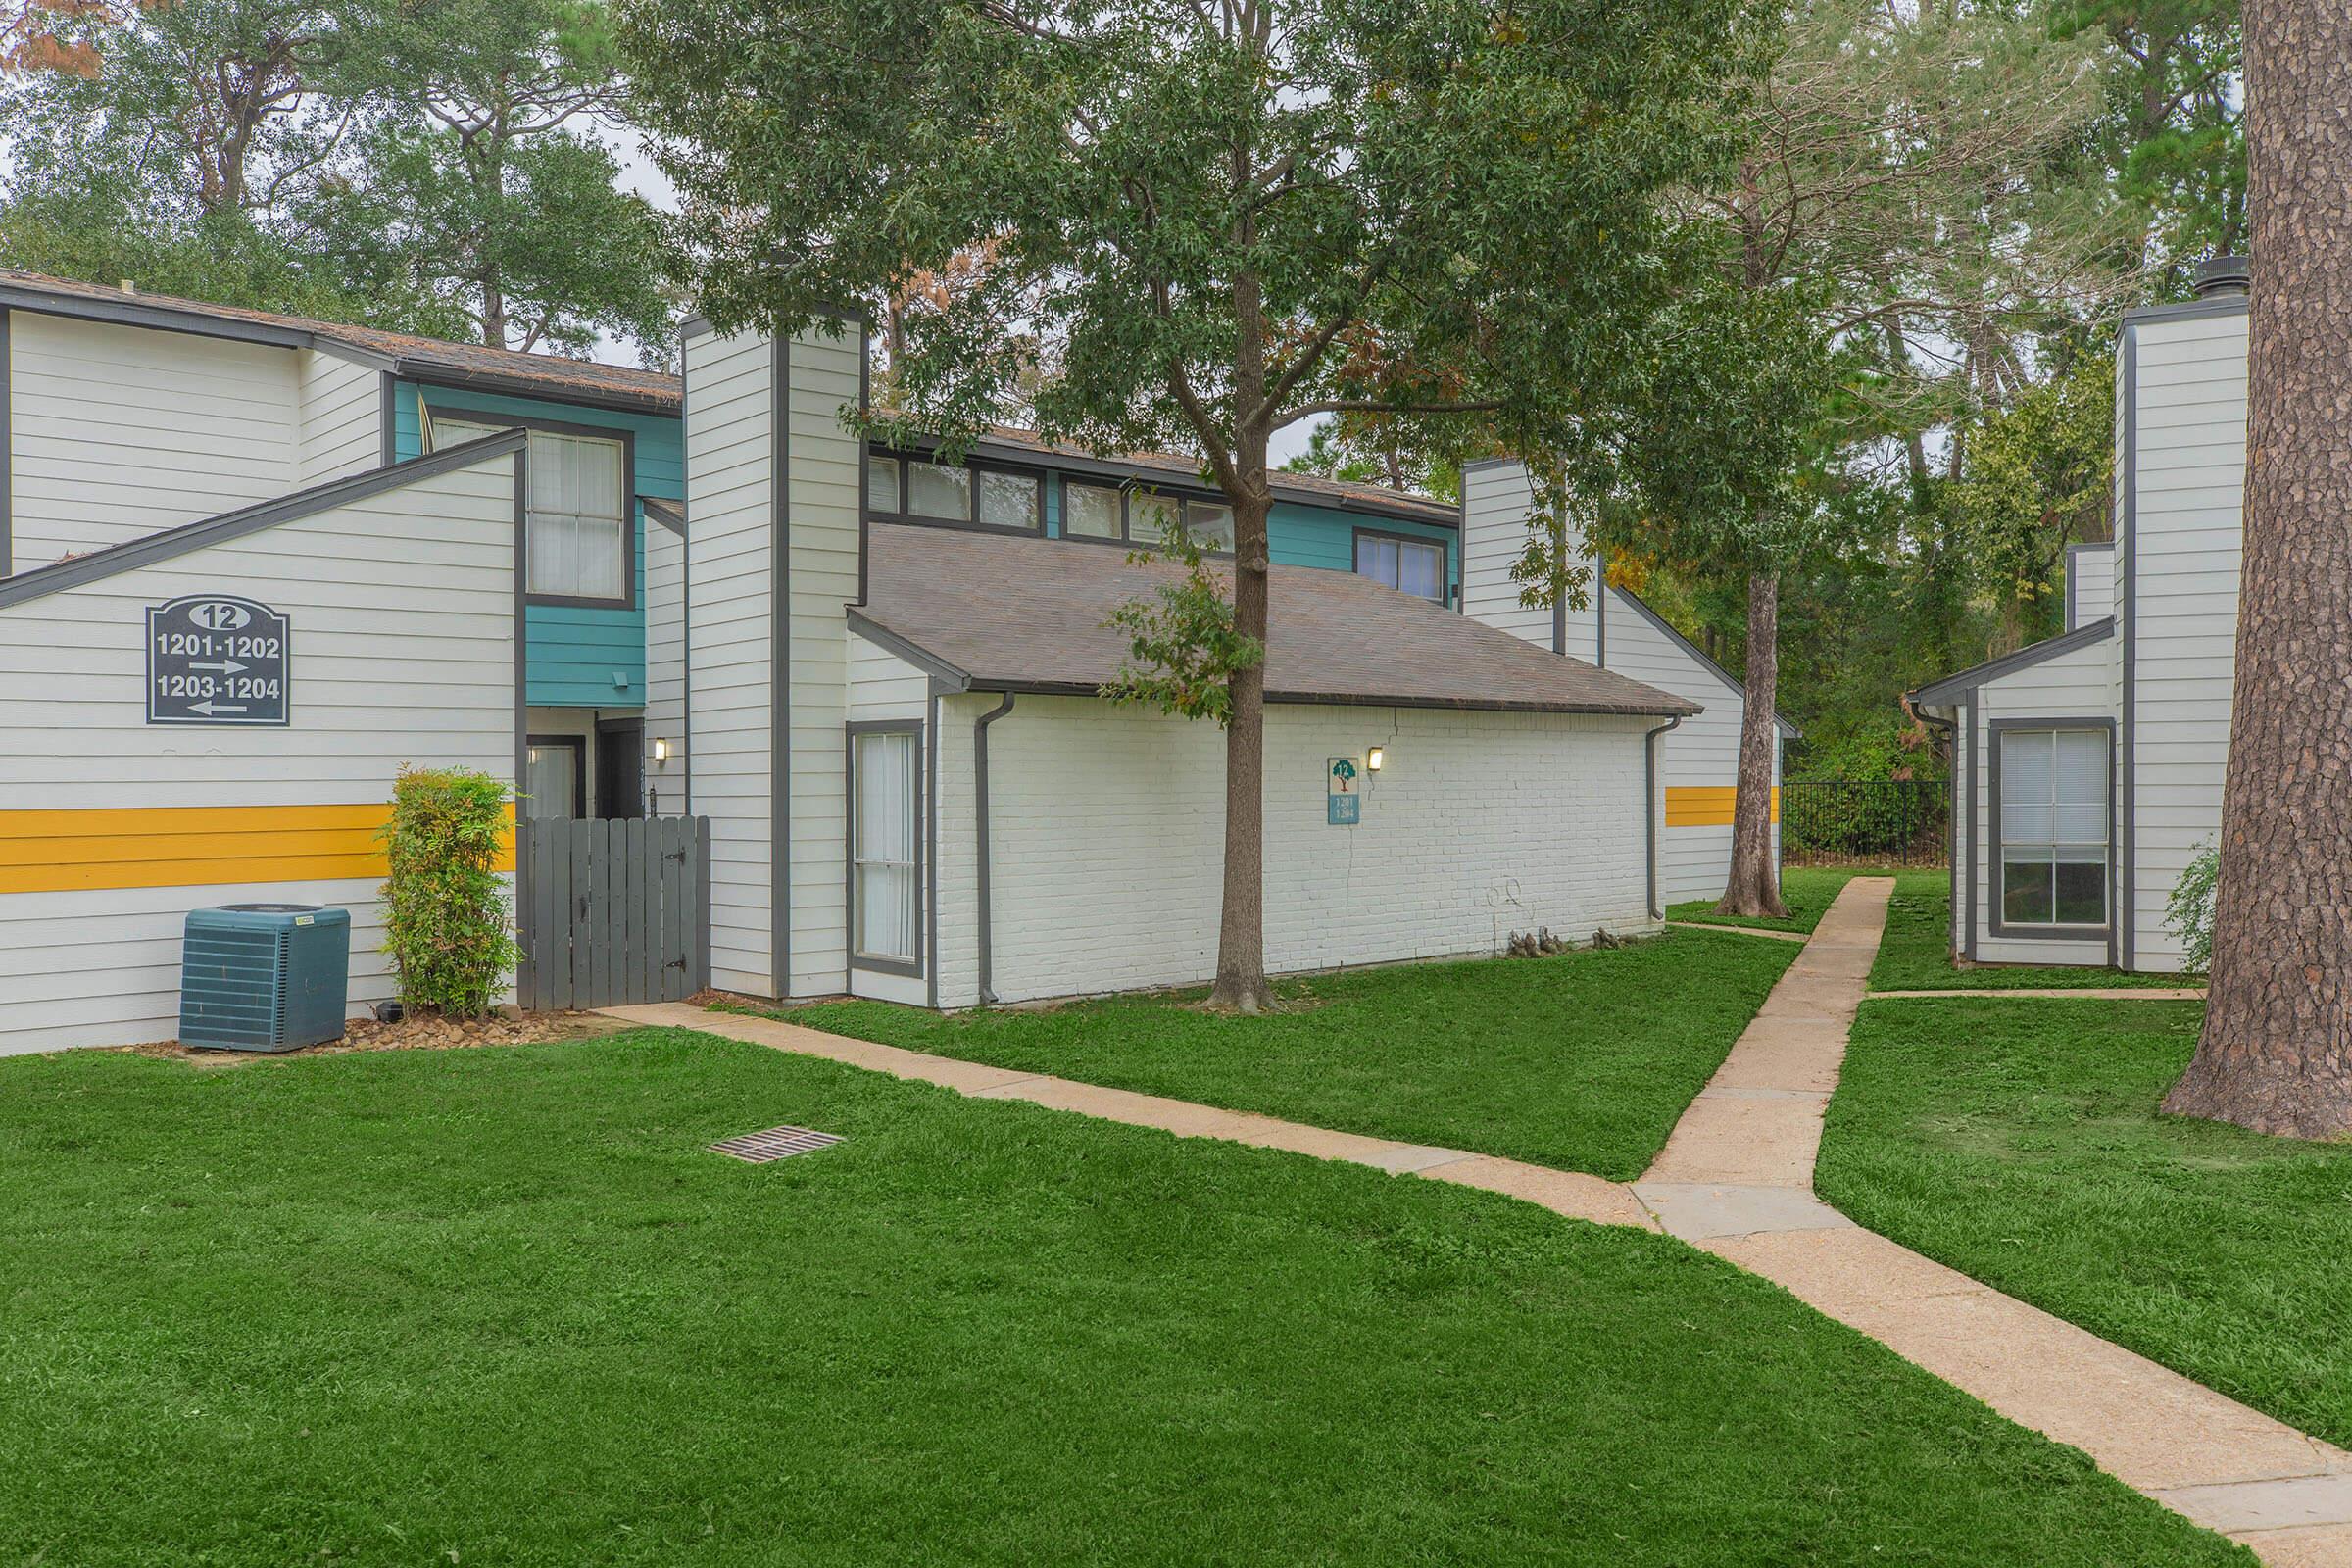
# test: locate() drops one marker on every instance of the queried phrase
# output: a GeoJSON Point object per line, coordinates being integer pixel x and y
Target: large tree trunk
{"type": "Point", "coordinates": [2277, 1050]}
{"type": "Point", "coordinates": [1754, 887]}
{"type": "Point", "coordinates": [1240, 984]}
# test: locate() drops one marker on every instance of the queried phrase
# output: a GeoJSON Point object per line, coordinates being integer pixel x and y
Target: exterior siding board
{"type": "Point", "coordinates": [576, 653]}
{"type": "Point", "coordinates": [99, 965]}
{"type": "Point", "coordinates": [730, 534]}
{"type": "Point", "coordinates": [119, 432]}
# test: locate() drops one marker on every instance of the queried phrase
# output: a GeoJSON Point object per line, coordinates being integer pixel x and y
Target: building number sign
{"type": "Point", "coordinates": [1344, 806]}
{"type": "Point", "coordinates": [214, 659]}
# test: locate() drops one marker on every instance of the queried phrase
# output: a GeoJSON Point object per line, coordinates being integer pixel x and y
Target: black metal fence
{"type": "Point", "coordinates": [1844, 823]}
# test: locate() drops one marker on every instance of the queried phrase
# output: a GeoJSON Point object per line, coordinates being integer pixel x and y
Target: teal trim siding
{"type": "Point", "coordinates": [1301, 535]}
{"type": "Point", "coordinates": [576, 658]}
{"type": "Point", "coordinates": [1324, 537]}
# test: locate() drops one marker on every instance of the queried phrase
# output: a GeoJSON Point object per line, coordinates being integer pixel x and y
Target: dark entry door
{"type": "Point", "coordinates": [620, 767]}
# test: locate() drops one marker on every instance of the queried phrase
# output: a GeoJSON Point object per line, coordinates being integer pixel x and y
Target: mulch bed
{"type": "Point", "coordinates": [416, 1032]}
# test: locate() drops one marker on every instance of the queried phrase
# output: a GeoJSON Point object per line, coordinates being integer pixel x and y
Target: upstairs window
{"type": "Point", "coordinates": [1210, 522]}
{"type": "Point", "coordinates": [1408, 566]}
{"type": "Point", "coordinates": [2053, 805]}
{"type": "Point", "coordinates": [1092, 511]}
{"type": "Point", "coordinates": [937, 492]}
{"type": "Point", "coordinates": [577, 511]}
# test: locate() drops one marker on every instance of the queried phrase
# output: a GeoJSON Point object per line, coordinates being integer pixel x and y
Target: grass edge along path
{"type": "Point", "coordinates": [2020, 1143]}
{"type": "Point", "coordinates": [1582, 1062]}
{"type": "Point", "coordinates": [1915, 953]}
{"type": "Point", "coordinates": [997, 1347]}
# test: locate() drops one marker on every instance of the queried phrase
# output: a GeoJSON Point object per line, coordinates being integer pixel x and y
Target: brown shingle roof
{"type": "Point", "coordinates": [997, 611]}
{"type": "Point", "coordinates": [430, 358]}
{"type": "Point", "coordinates": [1179, 468]}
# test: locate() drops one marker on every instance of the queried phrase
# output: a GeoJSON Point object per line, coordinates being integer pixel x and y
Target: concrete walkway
{"type": "Point", "coordinates": [1735, 1178]}
{"type": "Point", "coordinates": [1738, 930]}
{"type": "Point", "coordinates": [1564, 1192]}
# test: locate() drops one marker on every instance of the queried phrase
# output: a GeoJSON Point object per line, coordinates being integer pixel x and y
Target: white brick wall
{"type": "Point", "coordinates": [1107, 831]}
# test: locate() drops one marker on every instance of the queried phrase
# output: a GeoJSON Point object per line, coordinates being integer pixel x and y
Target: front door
{"type": "Point", "coordinates": [620, 767]}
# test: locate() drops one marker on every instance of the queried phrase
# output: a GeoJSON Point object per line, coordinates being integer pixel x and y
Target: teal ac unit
{"type": "Point", "coordinates": [264, 976]}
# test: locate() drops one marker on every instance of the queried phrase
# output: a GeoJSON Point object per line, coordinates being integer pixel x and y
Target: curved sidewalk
{"type": "Point", "coordinates": [1735, 1178]}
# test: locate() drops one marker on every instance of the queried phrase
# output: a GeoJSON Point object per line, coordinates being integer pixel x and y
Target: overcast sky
{"type": "Point", "coordinates": [639, 174]}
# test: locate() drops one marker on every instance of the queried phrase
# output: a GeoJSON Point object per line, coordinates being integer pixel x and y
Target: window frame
{"type": "Point", "coordinates": [1445, 585]}
{"type": "Point", "coordinates": [578, 745]}
{"type": "Point", "coordinates": [632, 512]}
{"type": "Point", "coordinates": [1183, 500]}
{"type": "Point", "coordinates": [1995, 730]}
{"type": "Point", "coordinates": [910, 968]}
{"type": "Point", "coordinates": [972, 524]}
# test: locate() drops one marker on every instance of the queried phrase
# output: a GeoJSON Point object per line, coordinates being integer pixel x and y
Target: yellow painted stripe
{"type": "Point", "coordinates": [1708, 805]}
{"type": "Point", "coordinates": [192, 846]}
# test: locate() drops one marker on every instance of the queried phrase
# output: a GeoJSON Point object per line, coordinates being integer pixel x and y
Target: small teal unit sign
{"type": "Point", "coordinates": [1344, 807]}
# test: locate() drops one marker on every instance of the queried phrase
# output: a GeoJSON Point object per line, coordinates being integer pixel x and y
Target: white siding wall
{"type": "Point", "coordinates": [1702, 752]}
{"type": "Point", "coordinates": [2188, 510]}
{"type": "Point", "coordinates": [121, 432]}
{"type": "Point", "coordinates": [884, 686]}
{"type": "Point", "coordinates": [827, 473]}
{"type": "Point", "coordinates": [2090, 584]}
{"type": "Point", "coordinates": [2078, 684]}
{"type": "Point", "coordinates": [417, 580]}
{"type": "Point", "coordinates": [665, 668]}
{"type": "Point", "coordinates": [730, 473]}
{"type": "Point", "coordinates": [1107, 832]}
{"type": "Point", "coordinates": [1496, 501]}
{"type": "Point", "coordinates": [342, 413]}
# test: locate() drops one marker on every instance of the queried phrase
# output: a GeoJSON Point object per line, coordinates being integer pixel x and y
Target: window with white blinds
{"type": "Point", "coordinates": [2053, 828]}
{"type": "Point", "coordinates": [1406, 564]}
{"type": "Point", "coordinates": [577, 511]}
{"type": "Point", "coordinates": [885, 834]}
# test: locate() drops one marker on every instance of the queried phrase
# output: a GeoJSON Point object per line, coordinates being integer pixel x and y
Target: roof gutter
{"type": "Point", "coordinates": [988, 994]}
{"type": "Point", "coordinates": [1649, 811]}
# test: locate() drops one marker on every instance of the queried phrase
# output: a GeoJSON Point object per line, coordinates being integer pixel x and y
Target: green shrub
{"type": "Point", "coordinates": [444, 909]}
{"type": "Point", "coordinates": [2188, 912]}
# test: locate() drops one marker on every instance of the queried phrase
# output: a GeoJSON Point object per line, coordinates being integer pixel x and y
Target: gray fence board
{"type": "Point", "coordinates": [619, 911]}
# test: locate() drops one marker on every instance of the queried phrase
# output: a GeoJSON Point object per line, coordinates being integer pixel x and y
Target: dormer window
{"type": "Point", "coordinates": [578, 511]}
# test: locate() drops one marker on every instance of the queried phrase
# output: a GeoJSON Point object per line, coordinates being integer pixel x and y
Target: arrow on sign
{"type": "Point", "coordinates": [227, 666]}
{"type": "Point", "coordinates": [207, 710]}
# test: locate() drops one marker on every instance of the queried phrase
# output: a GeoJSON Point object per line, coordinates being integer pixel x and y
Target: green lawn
{"type": "Point", "coordinates": [1580, 1062]}
{"type": "Point", "coordinates": [1915, 954]}
{"type": "Point", "coordinates": [1806, 891]}
{"type": "Point", "coordinates": [499, 1307]}
{"type": "Point", "coordinates": [2019, 1143]}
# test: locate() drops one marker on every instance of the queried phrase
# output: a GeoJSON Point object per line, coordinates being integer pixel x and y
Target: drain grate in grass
{"type": "Point", "coordinates": [776, 1142]}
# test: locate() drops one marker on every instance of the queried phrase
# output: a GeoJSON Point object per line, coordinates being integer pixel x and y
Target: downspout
{"type": "Point", "coordinates": [1649, 811]}
{"type": "Point", "coordinates": [980, 725]}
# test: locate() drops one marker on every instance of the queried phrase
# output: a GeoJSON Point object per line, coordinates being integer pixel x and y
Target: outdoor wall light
{"type": "Point", "coordinates": [1375, 756]}
{"type": "Point", "coordinates": [660, 750]}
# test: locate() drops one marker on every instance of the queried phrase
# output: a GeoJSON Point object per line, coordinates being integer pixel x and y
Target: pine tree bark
{"type": "Point", "coordinates": [1754, 884]}
{"type": "Point", "coordinates": [2276, 1053]}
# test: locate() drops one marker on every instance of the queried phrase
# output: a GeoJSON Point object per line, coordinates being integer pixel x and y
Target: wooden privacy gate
{"type": "Point", "coordinates": [614, 911]}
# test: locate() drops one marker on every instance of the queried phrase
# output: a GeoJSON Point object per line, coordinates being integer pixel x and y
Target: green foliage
{"type": "Point", "coordinates": [416, 164]}
{"type": "Point", "coordinates": [2040, 476]}
{"type": "Point", "coordinates": [1195, 226]}
{"type": "Point", "coordinates": [446, 921]}
{"type": "Point", "coordinates": [475, 183]}
{"type": "Point", "coordinates": [2188, 912]}
{"type": "Point", "coordinates": [1182, 651]}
